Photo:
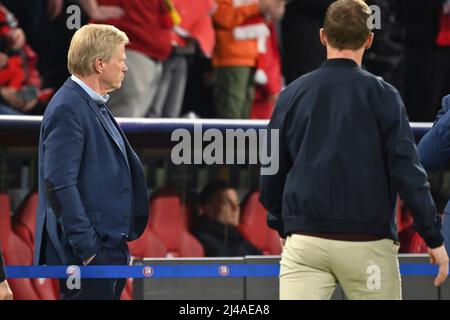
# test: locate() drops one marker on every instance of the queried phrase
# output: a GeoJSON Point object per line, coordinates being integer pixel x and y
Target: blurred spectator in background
{"type": "Point", "coordinates": [385, 57]}
{"type": "Point", "coordinates": [45, 25]}
{"type": "Point", "coordinates": [148, 24]}
{"type": "Point", "coordinates": [198, 96]}
{"type": "Point", "coordinates": [192, 31]}
{"type": "Point", "coordinates": [53, 41]}
{"type": "Point", "coordinates": [268, 82]}
{"type": "Point", "coordinates": [302, 50]}
{"type": "Point", "coordinates": [216, 229]}
{"type": "Point", "coordinates": [19, 79]}
{"type": "Point", "coordinates": [427, 56]}
{"type": "Point", "coordinates": [239, 31]}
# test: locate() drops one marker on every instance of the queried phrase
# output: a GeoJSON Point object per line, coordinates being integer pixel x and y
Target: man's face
{"type": "Point", "coordinates": [114, 70]}
{"type": "Point", "coordinates": [227, 207]}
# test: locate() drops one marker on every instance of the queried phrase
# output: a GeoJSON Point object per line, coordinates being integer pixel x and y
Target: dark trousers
{"type": "Point", "coordinates": [99, 289]}
{"type": "Point", "coordinates": [95, 289]}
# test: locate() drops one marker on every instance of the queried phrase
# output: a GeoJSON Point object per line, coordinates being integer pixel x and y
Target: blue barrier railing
{"type": "Point", "coordinates": [143, 125]}
{"type": "Point", "coordinates": [179, 271]}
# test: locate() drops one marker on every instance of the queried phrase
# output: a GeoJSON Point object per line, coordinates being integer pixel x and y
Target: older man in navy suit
{"type": "Point", "coordinates": [92, 190]}
{"type": "Point", "coordinates": [434, 152]}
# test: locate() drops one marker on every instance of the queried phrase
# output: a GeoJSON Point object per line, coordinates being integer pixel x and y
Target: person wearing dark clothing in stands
{"type": "Point", "coordinates": [217, 229]}
{"type": "Point", "coordinates": [427, 55]}
{"type": "Point", "coordinates": [300, 26]}
{"type": "Point", "coordinates": [5, 291]}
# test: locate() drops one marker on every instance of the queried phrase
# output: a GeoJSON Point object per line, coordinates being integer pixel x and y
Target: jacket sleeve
{"type": "Point", "coordinates": [444, 109]}
{"type": "Point", "coordinates": [406, 173]}
{"type": "Point", "coordinates": [272, 185]}
{"type": "Point", "coordinates": [434, 147]}
{"type": "Point", "coordinates": [228, 16]}
{"type": "Point", "coordinates": [63, 142]}
{"type": "Point", "coordinates": [2, 269]}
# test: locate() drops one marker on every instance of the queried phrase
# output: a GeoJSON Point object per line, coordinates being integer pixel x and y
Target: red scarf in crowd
{"type": "Point", "coordinates": [443, 38]}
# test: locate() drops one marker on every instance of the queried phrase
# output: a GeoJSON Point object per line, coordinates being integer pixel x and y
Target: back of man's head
{"type": "Point", "coordinates": [346, 24]}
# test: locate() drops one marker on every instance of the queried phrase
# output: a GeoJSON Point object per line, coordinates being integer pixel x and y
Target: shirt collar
{"type": "Point", "coordinates": [92, 94]}
{"type": "Point", "coordinates": [340, 62]}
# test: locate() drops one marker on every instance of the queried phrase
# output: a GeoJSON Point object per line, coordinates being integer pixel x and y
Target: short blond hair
{"type": "Point", "coordinates": [90, 42]}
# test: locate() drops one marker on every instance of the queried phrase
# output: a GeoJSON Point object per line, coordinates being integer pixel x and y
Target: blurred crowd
{"type": "Point", "coordinates": [217, 58]}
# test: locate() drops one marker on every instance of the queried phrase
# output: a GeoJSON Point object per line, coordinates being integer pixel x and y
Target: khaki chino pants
{"type": "Point", "coordinates": [311, 267]}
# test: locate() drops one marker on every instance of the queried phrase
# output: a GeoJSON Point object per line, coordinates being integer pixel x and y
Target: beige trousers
{"type": "Point", "coordinates": [311, 267]}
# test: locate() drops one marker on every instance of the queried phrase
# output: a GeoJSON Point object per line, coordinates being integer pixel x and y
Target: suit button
{"type": "Point", "coordinates": [126, 218]}
{"type": "Point", "coordinates": [127, 190]}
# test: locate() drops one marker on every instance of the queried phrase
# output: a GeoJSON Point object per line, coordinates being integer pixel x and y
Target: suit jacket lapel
{"type": "Point", "coordinates": [95, 108]}
{"type": "Point", "coordinates": [127, 145]}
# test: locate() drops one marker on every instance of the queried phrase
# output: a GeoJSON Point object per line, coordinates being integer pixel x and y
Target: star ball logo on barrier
{"type": "Point", "coordinates": [147, 271]}
{"type": "Point", "coordinates": [74, 277]}
{"type": "Point", "coordinates": [262, 147]}
{"type": "Point", "coordinates": [224, 271]}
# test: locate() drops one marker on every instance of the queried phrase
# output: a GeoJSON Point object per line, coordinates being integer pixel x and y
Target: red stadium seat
{"type": "Point", "coordinates": [127, 293]}
{"type": "Point", "coordinates": [15, 252]}
{"type": "Point", "coordinates": [418, 245]}
{"type": "Point", "coordinates": [168, 223]}
{"type": "Point", "coordinates": [24, 220]}
{"type": "Point", "coordinates": [147, 246]}
{"type": "Point", "coordinates": [410, 240]}
{"type": "Point", "coordinates": [404, 218]}
{"type": "Point", "coordinates": [254, 227]}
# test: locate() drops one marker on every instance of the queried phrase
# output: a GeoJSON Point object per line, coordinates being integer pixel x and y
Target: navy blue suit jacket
{"type": "Point", "coordinates": [434, 147]}
{"type": "Point", "coordinates": [89, 196]}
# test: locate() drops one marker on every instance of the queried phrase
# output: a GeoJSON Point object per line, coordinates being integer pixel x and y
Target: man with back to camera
{"type": "Point", "coordinates": [346, 149]}
{"type": "Point", "coordinates": [92, 189]}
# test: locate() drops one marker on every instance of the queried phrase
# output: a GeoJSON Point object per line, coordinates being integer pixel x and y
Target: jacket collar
{"type": "Point", "coordinates": [340, 62]}
{"type": "Point", "coordinates": [95, 108]}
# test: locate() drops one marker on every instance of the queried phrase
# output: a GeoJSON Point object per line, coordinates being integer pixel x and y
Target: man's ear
{"type": "Point", "coordinates": [323, 37]}
{"type": "Point", "coordinates": [369, 41]}
{"type": "Point", "coordinates": [98, 65]}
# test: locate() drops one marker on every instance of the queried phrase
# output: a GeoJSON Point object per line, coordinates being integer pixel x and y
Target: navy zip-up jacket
{"type": "Point", "coordinates": [345, 150]}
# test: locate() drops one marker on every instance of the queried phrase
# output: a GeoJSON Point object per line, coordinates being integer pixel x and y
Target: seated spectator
{"type": "Point", "coordinates": [216, 228]}
{"type": "Point", "coordinates": [19, 78]}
